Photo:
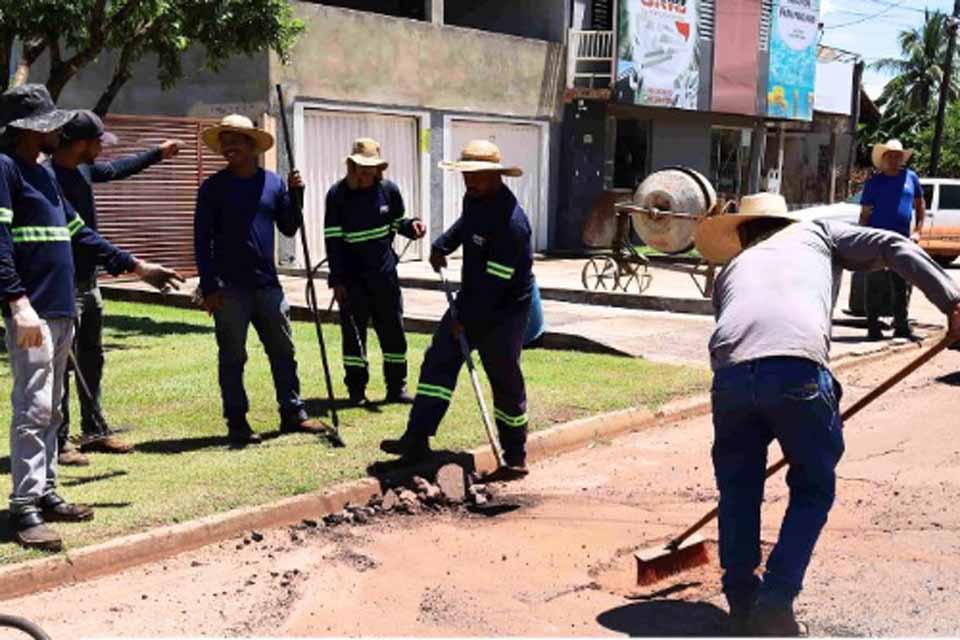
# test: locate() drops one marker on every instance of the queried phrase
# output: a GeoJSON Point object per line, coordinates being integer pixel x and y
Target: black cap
{"type": "Point", "coordinates": [86, 125]}
{"type": "Point", "coordinates": [30, 107]}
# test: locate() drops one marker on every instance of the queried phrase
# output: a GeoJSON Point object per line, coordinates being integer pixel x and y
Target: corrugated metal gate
{"type": "Point", "coordinates": [151, 214]}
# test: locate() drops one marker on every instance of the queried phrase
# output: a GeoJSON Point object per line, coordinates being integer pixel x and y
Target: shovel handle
{"type": "Point", "coordinates": [856, 408]}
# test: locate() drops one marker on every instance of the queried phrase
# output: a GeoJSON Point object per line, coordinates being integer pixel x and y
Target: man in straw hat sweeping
{"type": "Point", "coordinates": [363, 214]}
{"type": "Point", "coordinates": [77, 169]}
{"type": "Point", "coordinates": [493, 306]}
{"type": "Point", "coordinates": [237, 210]}
{"type": "Point", "coordinates": [38, 228]}
{"type": "Point", "coordinates": [889, 200]}
{"type": "Point", "coordinates": [769, 353]}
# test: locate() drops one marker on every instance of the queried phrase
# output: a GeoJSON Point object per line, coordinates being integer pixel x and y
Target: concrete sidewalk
{"type": "Point", "coordinates": [679, 338]}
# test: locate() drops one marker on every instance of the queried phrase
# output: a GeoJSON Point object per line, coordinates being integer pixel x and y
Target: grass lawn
{"type": "Point", "coordinates": [161, 377]}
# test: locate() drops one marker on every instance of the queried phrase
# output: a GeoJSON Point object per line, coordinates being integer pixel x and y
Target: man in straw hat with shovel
{"type": "Point", "coordinates": [769, 353]}
{"type": "Point", "coordinates": [889, 200]}
{"type": "Point", "coordinates": [237, 210]}
{"type": "Point", "coordinates": [38, 229]}
{"type": "Point", "coordinates": [363, 214]}
{"type": "Point", "coordinates": [492, 307]}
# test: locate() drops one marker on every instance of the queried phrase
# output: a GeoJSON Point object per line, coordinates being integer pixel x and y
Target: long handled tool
{"type": "Point", "coordinates": [98, 416]}
{"type": "Point", "coordinates": [333, 434]}
{"type": "Point", "coordinates": [689, 549]}
{"type": "Point", "coordinates": [474, 377]}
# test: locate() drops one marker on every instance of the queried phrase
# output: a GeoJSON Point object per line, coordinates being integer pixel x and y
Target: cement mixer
{"type": "Point", "coordinates": [664, 212]}
{"type": "Point", "coordinates": [667, 207]}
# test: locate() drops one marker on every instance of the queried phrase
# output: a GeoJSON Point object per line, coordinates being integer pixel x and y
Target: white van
{"type": "Point", "coordinates": [941, 229]}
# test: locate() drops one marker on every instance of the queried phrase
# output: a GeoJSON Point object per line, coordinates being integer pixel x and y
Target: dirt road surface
{"type": "Point", "coordinates": [562, 563]}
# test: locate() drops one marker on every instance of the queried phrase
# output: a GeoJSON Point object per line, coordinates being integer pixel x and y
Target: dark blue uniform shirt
{"type": "Point", "coordinates": [77, 185]}
{"type": "Point", "coordinates": [234, 229]}
{"type": "Point", "coordinates": [359, 228]}
{"type": "Point", "coordinates": [38, 229]}
{"type": "Point", "coordinates": [497, 276]}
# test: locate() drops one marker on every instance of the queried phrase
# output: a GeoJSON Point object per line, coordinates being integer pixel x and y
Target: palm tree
{"type": "Point", "coordinates": [919, 72]}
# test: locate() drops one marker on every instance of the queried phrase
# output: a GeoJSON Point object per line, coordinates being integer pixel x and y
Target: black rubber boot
{"type": "Point", "coordinates": [399, 396]}
{"type": "Point", "coordinates": [768, 620]}
{"type": "Point", "coordinates": [412, 449]}
{"type": "Point", "coordinates": [240, 433]}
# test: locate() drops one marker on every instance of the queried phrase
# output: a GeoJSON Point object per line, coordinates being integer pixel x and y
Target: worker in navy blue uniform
{"type": "Point", "coordinates": [38, 228]}
{"type": "Point", "coordinates": [493, 308]}
{"type": "Point", "coordinates": [238, 211]}
{"type": "Point", "coordinates": [77, 169]}
{"type": "Point", "coordinates": [363, 214]}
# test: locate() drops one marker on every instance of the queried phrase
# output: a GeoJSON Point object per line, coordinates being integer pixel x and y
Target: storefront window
{"type": "Point", "coordinates": [730, 161]}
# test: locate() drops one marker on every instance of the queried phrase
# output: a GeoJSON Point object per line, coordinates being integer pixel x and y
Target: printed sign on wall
{"type": "Point", "coordinates": [658, 62]}
{"type": "Point", "coordinates": [793, 59]}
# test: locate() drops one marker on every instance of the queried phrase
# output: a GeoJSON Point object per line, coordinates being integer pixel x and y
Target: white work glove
{"type": "Point", "coordinates": [27, 322]}
{"type": "Point", "coordinates": [158, 276]}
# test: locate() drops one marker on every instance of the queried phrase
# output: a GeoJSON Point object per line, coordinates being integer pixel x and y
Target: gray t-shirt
{"type": "Point", "coordinates": [777, 297]}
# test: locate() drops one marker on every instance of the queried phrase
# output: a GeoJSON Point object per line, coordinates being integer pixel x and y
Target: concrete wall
{"type": "Point", "coordinates": [240, 87]}
{"type": "Point", "coordinates": [540, 19]}
{"type": "Point", "coordinates": [360, 57]}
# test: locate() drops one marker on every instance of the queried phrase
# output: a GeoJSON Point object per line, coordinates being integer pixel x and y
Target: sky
{"type": "Point", "coordinates": [870, 28]}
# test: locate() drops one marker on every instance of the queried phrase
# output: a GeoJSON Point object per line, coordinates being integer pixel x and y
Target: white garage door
{"type": "Point", "coordinates": [521, 145]}
{"type": "Point", "coordinates": [327, 139]}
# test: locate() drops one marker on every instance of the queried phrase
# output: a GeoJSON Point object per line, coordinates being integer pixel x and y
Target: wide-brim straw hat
{"type": "Point", "coordinates": [717, 238]}
{"type": "Point", "coordinates": [480, 155]}
{"type": "Point", "coordinates": [366, 153]}
{"type": "Point", "coordinates": [885, 147]}
{"type": "Point", "coordinates": [236, 123]}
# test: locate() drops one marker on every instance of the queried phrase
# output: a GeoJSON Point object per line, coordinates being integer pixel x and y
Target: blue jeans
{"type": "Point", "coordinates": [796, 402]}
{"type": "Point", "coordinates": [267, 310]}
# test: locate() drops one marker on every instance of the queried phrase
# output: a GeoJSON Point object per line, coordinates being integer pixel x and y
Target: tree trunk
{"type": "Point", "coordinates": [6, 57]}
{"type": "Point", "coordinates": [120, 77]}
{"type": "Point", "coordinates": [29, 53]}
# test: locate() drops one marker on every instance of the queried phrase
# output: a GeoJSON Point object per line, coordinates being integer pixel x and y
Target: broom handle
{"type": "Point", "coordinates": [858, 406]}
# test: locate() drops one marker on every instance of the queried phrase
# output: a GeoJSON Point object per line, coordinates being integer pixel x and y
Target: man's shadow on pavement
{"type": "Point", "coordinates": [665, 618]}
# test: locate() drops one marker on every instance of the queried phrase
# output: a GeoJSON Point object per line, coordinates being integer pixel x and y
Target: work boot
{"type": "Point", "coordinates": [32, 533]}
{"type": "Point", "coordinates": [302, 423]}
{"type": "Point", "coordinates": [411, 449]}
{"type": "Point", "coordinates": [401, 396]}
{"type": "Point", "coordinates": [770, 620]}
{"type": "Point", "coordinates": [105, 444]}
{"type": "Point", "coordinates": [906, 332]}
{"type": "Point", "coordinates": [241, 434]}
{"type": "Point", "coordinates": [874, 332]}
{"type": "Point", "coordinates": [56, 509]}
{"type": "Point", "coordinates": [738, 620]}
{"type": "Point", "coordinates": [358, 398]}
{"type": "Point", "coordinates": [70, 456]}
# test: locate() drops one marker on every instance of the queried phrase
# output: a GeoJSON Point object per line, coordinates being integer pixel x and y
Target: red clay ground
{"type": "Point", "coordinates": [562, 564]}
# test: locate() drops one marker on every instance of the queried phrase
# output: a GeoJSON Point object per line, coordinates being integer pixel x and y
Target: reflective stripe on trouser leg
{"type": "Point", "coordinates": [438, 379]}
{"type": "Point", "coordinates": [357, 373]}
{"type": "Point", "coordinates": [386, 312]}
{"type": "Point", "coordinates": [500, 353]}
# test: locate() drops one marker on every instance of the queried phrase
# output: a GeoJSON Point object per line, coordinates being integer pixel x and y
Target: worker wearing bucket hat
{"type": "Point", "coordinates": [363, 214]}
{"type": "Point", "coordinates": [38, 229]}
{"type": "Point", "coordinates": [238, 210]}
{"type": "Point", "coordinates": [493, 306]}
{"type": "Point", "coordinates": [770, 355]}
{"type": "Point", "coordinates": [889, 200]}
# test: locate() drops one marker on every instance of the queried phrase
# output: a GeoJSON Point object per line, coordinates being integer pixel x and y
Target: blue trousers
{"type": "Point", "coordinates": [796, 402]}
{"type": "Point", "coordinates": [267, 310]}
{"type": "Point", "coordinates": [500, 348]}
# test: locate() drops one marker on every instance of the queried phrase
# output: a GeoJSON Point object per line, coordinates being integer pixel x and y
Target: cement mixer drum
{"type": "Point", "coordinates": [673, 201]}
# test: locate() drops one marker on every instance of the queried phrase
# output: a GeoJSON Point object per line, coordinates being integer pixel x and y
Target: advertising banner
{"type": "Point", "coordinates": [793, 59]}
{"type": "Point", "coordinates": [658, 62]}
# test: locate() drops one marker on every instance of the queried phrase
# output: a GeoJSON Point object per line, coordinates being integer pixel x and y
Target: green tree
{"type": "Point", "coordinates": [950, 153]}
{"type": "Point", "coordinates": [76, 32]}
{"type": "Point", "coordinates": [919, 71]}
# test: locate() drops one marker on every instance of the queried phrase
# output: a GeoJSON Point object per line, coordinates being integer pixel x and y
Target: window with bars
{"type": "Point", "coordinates": [708, 19]}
